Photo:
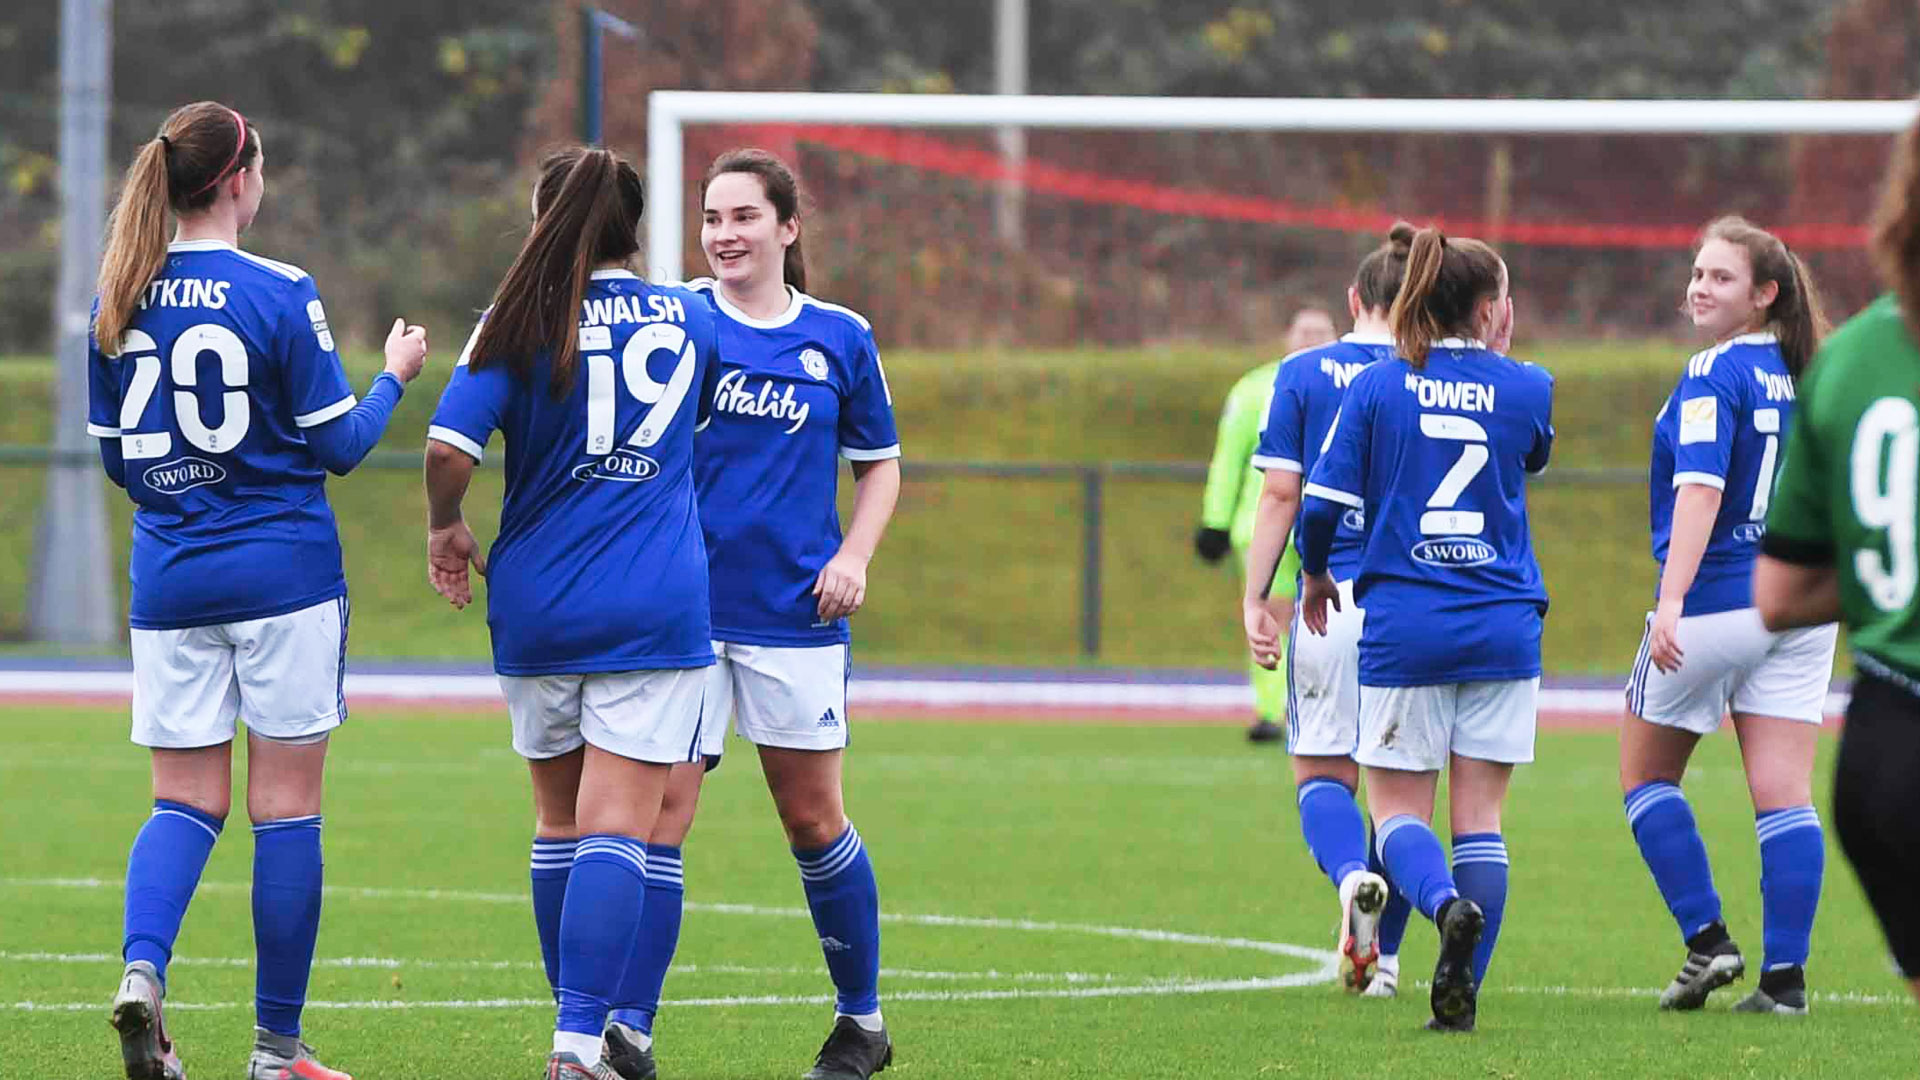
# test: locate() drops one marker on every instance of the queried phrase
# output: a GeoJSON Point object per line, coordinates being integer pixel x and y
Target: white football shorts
{"type": "Point", "coordinates": [651, 716]}
{"type": "Point", "coordinates": [283, 675]}
{"type": "Point", "coordinates": [791, 698]}
{"type": "Point", "coordinates": [1415, 728]}
{"type": "Point", "coordinates": [1323, 682]}
{"type": "Point", "coordinates": [1733, 662]}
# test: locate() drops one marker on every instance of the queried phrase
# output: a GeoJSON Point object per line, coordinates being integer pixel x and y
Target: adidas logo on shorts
{"type": "Point", "coordinates": [828, 720]}
{"type": "Point", "coordinates": [834, 944]}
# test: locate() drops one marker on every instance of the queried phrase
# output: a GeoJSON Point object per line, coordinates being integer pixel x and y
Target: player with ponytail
{"type": "Point", "coordinates": [1434, 446]}
{"type": "Point", "coordinates": [220, 406]}
{"type": "Point", "coordinates": [597, 584]}
{"type": "Point", "coordinates": [1716, 448]}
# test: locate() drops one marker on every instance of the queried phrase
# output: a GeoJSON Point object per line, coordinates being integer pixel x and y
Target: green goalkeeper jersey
{"type": "Point", "coordinates": [1233, 484]}
{"type": "Point", "coordinates": [1848, 494]}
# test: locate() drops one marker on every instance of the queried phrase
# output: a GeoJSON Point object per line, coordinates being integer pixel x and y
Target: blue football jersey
{"type": "Point", "coordinates": [226, 360]}
{"type": "Point", "coordinates": [599, 565]}
{"type": "Point", "coordinates": [1722, 427]}
{"type": "Point", "coordinates": [795, 393]}
{"type": "Point", "coordinates": [1306, 397]}
{"type": "Point", "coordinates": [1438, 458]}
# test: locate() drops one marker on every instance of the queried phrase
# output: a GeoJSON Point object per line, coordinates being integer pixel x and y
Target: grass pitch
{"type": "Point", "coordinates": [1064, 901]}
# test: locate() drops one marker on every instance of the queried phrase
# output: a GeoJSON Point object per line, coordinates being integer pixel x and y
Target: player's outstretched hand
{"type": "Point", "coordinates": [406, 350]}
{"type": "Point", "coordinates": [841, 586]}
{"type": "Point", "coordinates": [1263, 631]}
{"type": "Point", "coordinates": [449, 550]}
{"type": "Point", "coordinates": [1316, 592]}
{"type": "Point", "coordinates": [1663, 644]}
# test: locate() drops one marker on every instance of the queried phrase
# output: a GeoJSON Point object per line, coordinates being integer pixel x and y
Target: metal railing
{"type": "Point", "coordinates": [1090, 477]}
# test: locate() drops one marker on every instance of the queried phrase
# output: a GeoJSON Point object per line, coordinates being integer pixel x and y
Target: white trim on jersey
{"type": "Point", "coordinates": [466, 352]}
{"type": "Point", "coordinates": [101, 431]}
{"type": "Point", "coordinates": [1459, 343]}
{"type": "Point", "coordinates": [1705, 479]}
{"type": "Point", "coordinates": [456, 440]}
{"type": "Point", "coordinates": [1262, 461]}
{"type": "Point", "coordinates": [838, 310]}
{"type": "Point", "coordinates": [322, 415]}
{"type": "Point", "coordinates": [618, 272]}
{"type": "Point", "coordinates": [855, 453]}
{"type": "Point", "coordinates": [1334, 495]}
{"type": "Point", "coordinates": [794, 307]}
{"type": "Point", "coordinates": [285, 270]}
{"type": "Point", "coordinates": [1367, 339]}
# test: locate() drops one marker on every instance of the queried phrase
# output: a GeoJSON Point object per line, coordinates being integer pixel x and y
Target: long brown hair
{"type": "Point", "coordinates": [1445, 280]}
{"type": "Point", "coordinates": [587, 207]}
{"type": "Point", "coordinates": [1796, 315]}
{"type": "Point", "coordinates": [1385, 267]}
{"type": "Point", "coordinates": [198, 146]}
{"type": "Point", "coordinates": [783, 191]}
{"type": "Point", "coordinates": [1896, 228]}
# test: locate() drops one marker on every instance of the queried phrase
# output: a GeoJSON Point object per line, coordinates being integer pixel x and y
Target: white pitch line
{"type": "Point", "coordinates": [1170, 937]}
{"type": "Point", "coordinates": [392, 963]}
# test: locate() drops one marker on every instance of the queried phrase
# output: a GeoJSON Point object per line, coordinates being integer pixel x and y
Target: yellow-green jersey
{"type": "Point", "coordinates": [1233, 484]}
{"type": "Point", "coordinates": [1848, 494]}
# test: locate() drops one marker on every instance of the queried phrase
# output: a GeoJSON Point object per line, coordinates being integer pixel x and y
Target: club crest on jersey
{"type": "Point", "coordinates": [1354, 519]}
{"type": "Point", "coordinates": [814, 363]}
{"type": "Point", "coordinates": [1454, 552]}
{"type": "Point", "coordinates": [182, 475]}
{"type": "Point", "coordinates": [623, 466]}
{"type": "Point", "coordinates": [732, 396]}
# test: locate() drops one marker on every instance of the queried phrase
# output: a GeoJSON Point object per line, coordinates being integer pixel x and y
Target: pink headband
{"type": "Point", "coordinates": [232, 161]}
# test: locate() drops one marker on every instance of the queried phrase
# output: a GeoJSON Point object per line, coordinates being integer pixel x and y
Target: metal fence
{"type": "Point", "coordinates": [1091, 479]}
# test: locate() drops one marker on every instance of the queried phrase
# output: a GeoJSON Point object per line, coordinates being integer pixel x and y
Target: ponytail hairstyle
{"type": "Point", "coordinates": [587, 206]}
{"type": "Point", "coordinates": [1896, 228]}
{"type": "Point", "coordinates": [198, 146]}
{"type": "Point", "coordinates": [1796, 315]}
{"type": "Point", "coordinates": [1445, 281]}
{"type": "Point", "coordinates": [1385, 267]}
{"type": "Point", "coordinates": [783, 191]}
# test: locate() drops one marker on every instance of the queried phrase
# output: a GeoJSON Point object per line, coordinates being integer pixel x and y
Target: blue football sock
{"type": "Point", "coordinates": [1335, 830]}
{"type": "Point", "coordinates": [1416, 863]}
{"type": "Point", "coordinates": [163, 869]}
{"type": "Point", "coordinates": [1670, 843]}
{"type": "Point", "coordinates": [659, 936]}
{"type": "Point", "coordinates": [1480, 869]}
{"type": "Point", "coordinates": [286, 918]}
{"type": "Point", "coordinates": [1393, 918]}
{"type": "Point", "coordinates": [598, 926]}
{"type": "Point", "coordinates": [552, 862]}
{"type": "Point", "coordinates": [845, 902]}
{"type": "Point", "coordinates": [1793, 856]}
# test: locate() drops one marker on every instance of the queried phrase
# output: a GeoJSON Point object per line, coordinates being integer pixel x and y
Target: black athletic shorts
{"type": "Point", "coordinates": [1876, 805]}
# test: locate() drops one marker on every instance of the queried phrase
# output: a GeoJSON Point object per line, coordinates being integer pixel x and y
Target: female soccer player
{"type": "Point", "coordinates": [1323, 705]}
{"type": "Point", "coordinates": [597, 584]}
{"type": "Point", "coordinates": [1716, 445]}
{"type": "Point", "coordinates": [1843, 542]}
{"type": "Point", "coordinates": [800, 387]}
{"type": "Point", "coordinates": [220, 406]}
{"type": "Point", "coordinates": [1434, 447]}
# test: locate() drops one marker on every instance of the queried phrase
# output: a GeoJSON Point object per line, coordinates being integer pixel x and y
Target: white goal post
{"type": "Point", "coordinates": [670, 111]}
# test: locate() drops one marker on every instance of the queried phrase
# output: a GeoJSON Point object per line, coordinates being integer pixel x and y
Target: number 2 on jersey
{"type": "Point", "coordinates": [665, 398]}
{"type": "Point", "coordinates": [143, 351]}
{"type": "Point", "coordinates": [1442, 517]}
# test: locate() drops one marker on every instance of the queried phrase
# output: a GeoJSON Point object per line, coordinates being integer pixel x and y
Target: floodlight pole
{"type": "Point", "coordinates": [593, 26]}
{"type": "Point", "coordinates": [72, 598]}
{"type": "Point", "coordinates": [1010, 77]}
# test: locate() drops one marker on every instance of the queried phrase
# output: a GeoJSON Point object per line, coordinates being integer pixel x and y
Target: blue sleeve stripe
{"type": "Point", "coordinates": [855, 453]}
{"type": "Point", "coordinates": [320, 416]}
{"type": "Point", "coordinates": [1705, 479]}
{"type": "Point", "coordinates": [1334, 495]}
{"type": "Point", "coordinates": [1262, 461]}
{"type": "Point", "coordinates": [456, 440]}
